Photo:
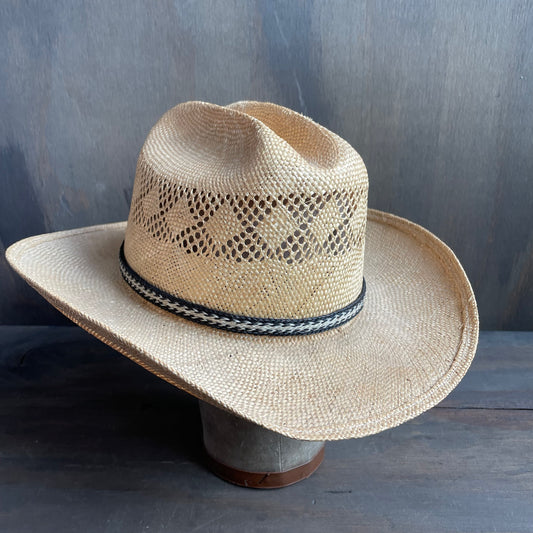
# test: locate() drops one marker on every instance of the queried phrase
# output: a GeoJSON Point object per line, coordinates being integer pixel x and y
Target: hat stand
{"type": "Point", "coordinates": [249, 455]}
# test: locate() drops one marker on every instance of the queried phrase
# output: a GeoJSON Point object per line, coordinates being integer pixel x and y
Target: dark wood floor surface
{"type": "Point", "coordinates": [91, 442]}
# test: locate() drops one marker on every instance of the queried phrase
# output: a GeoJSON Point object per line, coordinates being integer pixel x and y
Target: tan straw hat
{"type": "Point", "coordinates": [253, 277]}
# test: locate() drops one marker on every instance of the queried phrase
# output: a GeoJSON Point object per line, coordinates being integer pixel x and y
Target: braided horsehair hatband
{"type": "Point", "coordinates": [237, 323]}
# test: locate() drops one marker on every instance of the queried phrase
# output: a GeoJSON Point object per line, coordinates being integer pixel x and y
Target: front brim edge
{"type": "Point", "coordinates": [440, 389]}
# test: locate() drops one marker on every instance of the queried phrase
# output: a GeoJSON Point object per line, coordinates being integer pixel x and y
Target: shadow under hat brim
{"type": "Point", "coordinates": [408, 348]}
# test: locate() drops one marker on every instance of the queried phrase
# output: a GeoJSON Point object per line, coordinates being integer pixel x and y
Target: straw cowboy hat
{"type": "Point", "coordinates": [251, 274]}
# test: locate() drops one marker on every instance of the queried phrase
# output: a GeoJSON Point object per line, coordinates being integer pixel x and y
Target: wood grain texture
{"type": "Point", "coordinates": [436, 96]}
{"type": "Point", "coordinates": [92, 442]}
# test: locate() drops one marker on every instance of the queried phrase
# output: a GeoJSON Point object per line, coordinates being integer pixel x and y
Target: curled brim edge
{"type": "Point", "coordinates": [26, 262]}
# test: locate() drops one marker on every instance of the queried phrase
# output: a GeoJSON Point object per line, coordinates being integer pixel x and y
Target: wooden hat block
{"type": "Point", "coordinates": [249, 455]}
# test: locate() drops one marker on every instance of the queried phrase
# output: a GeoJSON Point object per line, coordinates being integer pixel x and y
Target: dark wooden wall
{"type": "Point", "coordinates": [437, 96]}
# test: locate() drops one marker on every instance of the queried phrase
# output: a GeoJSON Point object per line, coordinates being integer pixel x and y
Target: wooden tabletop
{"type": "Point", "coordinates": [89, 441]}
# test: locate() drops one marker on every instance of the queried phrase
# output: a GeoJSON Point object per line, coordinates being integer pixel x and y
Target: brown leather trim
{"type": "Point", "coordinates": [264, 480]}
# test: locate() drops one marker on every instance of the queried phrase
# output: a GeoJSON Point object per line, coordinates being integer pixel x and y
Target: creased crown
{"type": "Point", "coordinates": [251, 209]}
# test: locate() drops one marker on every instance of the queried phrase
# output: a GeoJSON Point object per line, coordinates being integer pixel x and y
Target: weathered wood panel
{"type": "Point", "coordinates": [92, 442]}
{"type": "Point", "coordinates": [436, 96]}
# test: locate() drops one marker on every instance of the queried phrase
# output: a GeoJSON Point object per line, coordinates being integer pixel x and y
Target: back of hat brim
{"type": "Point", "coordinates": [407, 349]}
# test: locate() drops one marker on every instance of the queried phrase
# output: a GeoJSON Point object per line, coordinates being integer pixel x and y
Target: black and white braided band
{"type": "Point", "coordinates": [237, 323]}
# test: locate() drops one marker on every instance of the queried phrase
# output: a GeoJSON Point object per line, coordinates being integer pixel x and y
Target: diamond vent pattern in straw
{"type": "Point", "coordinates": [250, 209]}
{"type": "Point", "coordinates": [195, 234]}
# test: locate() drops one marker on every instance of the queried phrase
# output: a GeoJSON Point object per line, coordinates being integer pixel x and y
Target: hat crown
{"type": "Point", "coordinates": [251, 209]}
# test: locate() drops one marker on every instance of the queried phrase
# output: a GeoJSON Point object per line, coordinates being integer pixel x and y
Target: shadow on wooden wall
{"type": "Point", "coordinates": [436, 96]}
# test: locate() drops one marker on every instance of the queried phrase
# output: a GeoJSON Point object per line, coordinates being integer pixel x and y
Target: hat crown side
{"type": "Point", "coordinates": [251, 209]}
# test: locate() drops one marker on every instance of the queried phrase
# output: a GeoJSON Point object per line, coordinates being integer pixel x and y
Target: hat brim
{"type": "Point", "coordinates": [408, 348]}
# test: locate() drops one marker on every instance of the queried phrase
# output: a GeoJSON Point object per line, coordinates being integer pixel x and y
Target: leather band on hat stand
{"type": "Point", "coordinates": [264, 480]}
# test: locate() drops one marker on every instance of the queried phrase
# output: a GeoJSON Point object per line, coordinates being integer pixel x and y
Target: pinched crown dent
{"type": "Point", "coordinates": [261, 214]}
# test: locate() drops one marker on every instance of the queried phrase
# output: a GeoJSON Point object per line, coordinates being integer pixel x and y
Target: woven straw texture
{"type": "Point", "coordinates": [251, 209]}
{"type": "Point", "coordinates": [254, 209]}
{"type": "Point", "coordinates": [407, 349]}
